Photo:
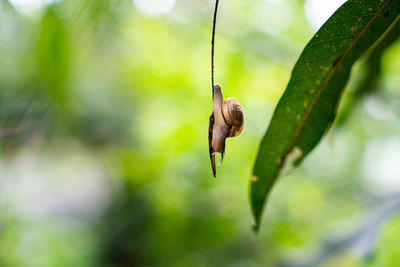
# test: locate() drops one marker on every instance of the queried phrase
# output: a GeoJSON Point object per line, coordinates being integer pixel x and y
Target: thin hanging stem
{"type": "Point", "coordinates": [212, 46]}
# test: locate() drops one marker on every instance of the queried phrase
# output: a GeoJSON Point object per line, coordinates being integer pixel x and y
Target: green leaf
{"type": "Point", "coordinates": [308, 105]}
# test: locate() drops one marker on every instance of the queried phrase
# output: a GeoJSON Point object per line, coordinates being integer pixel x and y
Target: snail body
{"type": "Point", "coordinates": [225, 121]}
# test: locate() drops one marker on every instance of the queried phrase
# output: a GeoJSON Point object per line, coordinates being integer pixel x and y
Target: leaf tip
{"type": "Point", "coordinates": [255, 227]}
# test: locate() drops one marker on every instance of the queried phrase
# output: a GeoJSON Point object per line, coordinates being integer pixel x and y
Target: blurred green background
{"type": "Point", "coordinates": [104, 110]}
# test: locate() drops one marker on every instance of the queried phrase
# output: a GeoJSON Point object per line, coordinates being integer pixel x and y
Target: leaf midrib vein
{"type": "Point", "coordinates": [330, 74]}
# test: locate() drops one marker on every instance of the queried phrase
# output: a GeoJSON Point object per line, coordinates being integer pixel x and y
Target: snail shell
{"type": "Point", "coordinates": [233, 115]}
{"type": "Point", "coordinates": [225, 121]}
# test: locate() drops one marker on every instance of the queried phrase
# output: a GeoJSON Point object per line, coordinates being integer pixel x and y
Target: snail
{"type": "Point", "coordinates": [226, 121]}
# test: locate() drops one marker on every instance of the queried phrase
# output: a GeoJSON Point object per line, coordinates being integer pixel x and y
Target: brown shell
{"type": "Point", "coordinates": [233, 115]}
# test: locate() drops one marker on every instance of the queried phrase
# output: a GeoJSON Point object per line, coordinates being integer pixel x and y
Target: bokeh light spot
{"type": "Point", "coordinates": [381, 167]}
{"type": "Point", "coordinates": [317, 11]}
{"type": "Point", "coordinates": [29, 6]}
{"type": "Point", "coordinates": [154, 7]}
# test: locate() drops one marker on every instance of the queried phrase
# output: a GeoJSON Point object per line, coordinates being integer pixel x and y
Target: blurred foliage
{"type": "Point", "coordinates": [103, 122]}
{"type": "Point", "coordinates": [370, 80]}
